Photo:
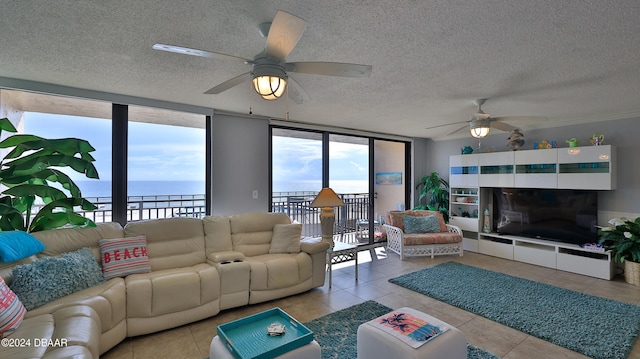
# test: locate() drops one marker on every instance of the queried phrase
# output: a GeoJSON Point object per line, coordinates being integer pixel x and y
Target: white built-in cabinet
{"type": "Point", "coordinates": [464, 201]}
{"type": "Point", "coordinates": [472, 176]}
{"type": "Point", "coordinates": [587, 168]}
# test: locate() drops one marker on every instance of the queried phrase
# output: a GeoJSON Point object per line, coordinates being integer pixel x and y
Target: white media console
{"type": "Point", "coordinates": [472, 176]}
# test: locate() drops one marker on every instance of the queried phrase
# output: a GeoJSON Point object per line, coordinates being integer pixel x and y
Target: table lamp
{"type": "Point", "coordinates": [327, 199]}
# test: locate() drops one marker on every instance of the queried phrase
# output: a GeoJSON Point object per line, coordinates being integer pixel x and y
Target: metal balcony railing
{"type": "Point", "coordinates": [295, 204]}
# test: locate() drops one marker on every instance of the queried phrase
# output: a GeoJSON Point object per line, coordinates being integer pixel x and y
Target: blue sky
{"type": "Point", "coordinates": [161, 152]}
{"type": "Point", "coordinates": [301, 159]}
{"type": "Point", "coordinates": [156, 152]}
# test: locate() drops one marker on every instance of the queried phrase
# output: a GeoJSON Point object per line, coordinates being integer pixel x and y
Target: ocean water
{"type": "Point", "coordinates": [143, 188]}
{"type": "Point", "coordinates": [159, 188]}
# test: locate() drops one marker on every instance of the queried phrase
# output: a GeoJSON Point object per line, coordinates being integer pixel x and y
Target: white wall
{"type": "Point", "coordinates": [624, 134]}
{"type": "Point", "coordinates": [389, 157]}
{"type": "Point", "coordinates": [240, 165]}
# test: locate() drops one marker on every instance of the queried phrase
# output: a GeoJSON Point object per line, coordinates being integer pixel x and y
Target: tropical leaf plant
{"type": "Point", "coordinates": [30, 178]}
{"type": "Point", "coordinates": [622, 238]}
{"type": "Point", "coordinates": [435, 190]}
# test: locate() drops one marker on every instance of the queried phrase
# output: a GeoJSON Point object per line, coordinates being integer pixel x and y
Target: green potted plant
{"type": "Point", "coordinates": [436, 190]}
{"type": "Point", "coordinates": [622, 238]}
{"type": "Point", "coordinates": [29, 173]}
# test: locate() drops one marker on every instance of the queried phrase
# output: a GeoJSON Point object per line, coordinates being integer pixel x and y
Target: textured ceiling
{"type": "Point", "coordinates": [570, 61]}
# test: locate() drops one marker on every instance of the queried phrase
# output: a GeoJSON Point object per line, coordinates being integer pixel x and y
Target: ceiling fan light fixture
{"type": "Point", "coordinates": [480, 128]}
{"type": "Point", "coordinates": [269, 81]}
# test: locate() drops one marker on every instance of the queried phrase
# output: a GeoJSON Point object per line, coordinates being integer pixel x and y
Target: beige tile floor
{"type": "Point", "coordinates": [192, 341]}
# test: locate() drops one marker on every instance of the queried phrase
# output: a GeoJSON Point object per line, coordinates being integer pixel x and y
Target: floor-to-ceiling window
{"type": "Point", "coordinates": [89, 120]}
{"type": "Point", "coordinates": [349, 178]}
{"type": "Point", "coordinates": [166, 164]}
{"type": "Point", "coordinates": [296, 166]}
{"type": "Point", "coordinates": [165, 160]}
{"type": "Point", "coordinates": [304, 161]}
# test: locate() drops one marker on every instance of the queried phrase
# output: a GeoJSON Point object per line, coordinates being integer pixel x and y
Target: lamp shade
{"type": "Point", "coordinates": [327, 198]}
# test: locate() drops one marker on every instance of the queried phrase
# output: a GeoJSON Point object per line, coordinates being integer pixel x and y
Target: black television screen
{"type": "Point", "coordinates": [559, 215]}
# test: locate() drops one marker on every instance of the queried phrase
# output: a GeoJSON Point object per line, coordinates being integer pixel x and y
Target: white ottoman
{"type": "Point", "coordinates": [218, 350]}
{"type": "Point", "coordinates": [374, 342]}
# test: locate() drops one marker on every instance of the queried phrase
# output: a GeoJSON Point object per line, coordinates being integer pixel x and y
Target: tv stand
{"type": "Point", "coordinates": [550, 254]}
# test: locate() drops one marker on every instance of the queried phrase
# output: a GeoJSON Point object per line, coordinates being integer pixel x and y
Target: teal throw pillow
{"type": "Point", "coordinates": [51, 278]}
{"type": "Point", "coordinates": [17, 245]}
{"type": "Point", "coordinates": [421, 224]}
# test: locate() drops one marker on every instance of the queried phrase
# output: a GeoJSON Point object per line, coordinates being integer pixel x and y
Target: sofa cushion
{"type": "Point", "coordinates": [69, 332]}
{"type": "Point", "coordinates": [286, 238]}
{"type": "Point", "coordinates": [171, 242]}
{"type": "Point", "coordinates": [421, 224]}
{"type": "Point", "coordinates": [124, 256]}
{"type": "Point", "coordinates": [17, 245]}
{"type": "Point", "coordinates": [277, 271]}
{"type": "Point", "coordinates": [64, 240]}
{"type": "Point", "coordinates": [171, 290]}
{"type": "Point", "coordinates": [413, 239]}
{"type": "Point", "coordinates": [395, 217]}
{"type": "Point", "coordinates": [11, 310]}
{"type": "Point", "coordinates": [50, 278]}
{"type": "Point", "coordinates": [251, 233]}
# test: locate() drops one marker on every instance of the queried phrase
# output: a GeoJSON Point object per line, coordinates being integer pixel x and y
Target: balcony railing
{"type": "Point", "coordinates": [295, 204]}
{"type": "Point", "coordinates": [150, 207]}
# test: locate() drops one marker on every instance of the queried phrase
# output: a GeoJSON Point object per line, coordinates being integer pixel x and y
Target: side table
{"type": "Point", "coordinates": [362, 227]}
{"type": "Point", "coordinates": [341, 252]}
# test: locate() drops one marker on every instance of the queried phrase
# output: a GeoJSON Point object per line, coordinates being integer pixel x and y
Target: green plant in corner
{"type": "Point", "coordinates": [622, 238]}
{"type": "Point", "coordinates": [28, 171]}
{"type": "Point", "coordinates": [436, 190]}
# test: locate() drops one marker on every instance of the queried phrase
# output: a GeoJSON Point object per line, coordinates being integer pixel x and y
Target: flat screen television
{"type": "Point", "coordinates": [558, 215]}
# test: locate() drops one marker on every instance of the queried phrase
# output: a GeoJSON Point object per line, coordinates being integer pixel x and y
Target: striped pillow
{"type": "Point", "coordinates": [11, 310]}
{"type": "Point", "coordinates": [124, 256]}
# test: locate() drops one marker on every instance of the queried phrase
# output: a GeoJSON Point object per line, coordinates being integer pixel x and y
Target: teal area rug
{"type": "Point", "coordinates": [337, 332]}
{"type": "Point", "coordinates": [596, 327]}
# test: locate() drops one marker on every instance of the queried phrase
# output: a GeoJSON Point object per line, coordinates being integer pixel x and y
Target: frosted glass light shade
{"type": "Point", "coordinates": [269, 87]}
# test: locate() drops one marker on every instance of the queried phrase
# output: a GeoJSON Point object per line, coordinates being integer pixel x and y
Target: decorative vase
{"type": "Point", "coordinates": [632, 272]}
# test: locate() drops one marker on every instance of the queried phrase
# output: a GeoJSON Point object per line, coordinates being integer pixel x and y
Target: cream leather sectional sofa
{"type": "Point", "coordinates": [198, 268]}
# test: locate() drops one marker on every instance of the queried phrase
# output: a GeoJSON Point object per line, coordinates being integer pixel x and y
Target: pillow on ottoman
{"type": "Point", "coordinates": [11, 310]}
{"type": "Point", "coordinates": [50, 278]}
{"type": "Point", "coordinates": [286, 238]}
{"type": "Point", "coordinates": [124, 256]}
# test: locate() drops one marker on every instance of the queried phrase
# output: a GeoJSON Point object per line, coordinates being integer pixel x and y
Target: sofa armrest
{"type": "Point", "coordinates": [454, 229]}
{"type": "Point", "coordinates": [226, 256]}
{"type": "Point", "coordinates": [313, 245]}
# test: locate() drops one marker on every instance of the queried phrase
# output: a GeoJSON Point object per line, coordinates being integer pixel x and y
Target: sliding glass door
{"type": "Point", "coordinates": [367, 174]}
{"type": "Point", "coordinates": [296, 175]}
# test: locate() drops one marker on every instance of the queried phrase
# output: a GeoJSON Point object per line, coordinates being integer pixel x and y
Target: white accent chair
{"type": "Point", "coordinates": [446, 242]}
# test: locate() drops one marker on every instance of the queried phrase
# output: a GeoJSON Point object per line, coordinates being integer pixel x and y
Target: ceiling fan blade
{"type": "Point", "coordinates": [285, 31]}
{"type": "Point", "coordinates": [446, 124]}
{"type": "Point", "coordinates": [229, 84]}
{"type": "Point", "coordinates": [330, 69]}
{"type": "Point", "coordinates": [457, 130]}
{"type": "Point", "coordinates": [196, 52]}
{"type": "Point", "coordinates": [520, 118]}
{"type": "Point", "coordinates": [296, 92]}
{"type": "Point", "coordinates": [502, 126]}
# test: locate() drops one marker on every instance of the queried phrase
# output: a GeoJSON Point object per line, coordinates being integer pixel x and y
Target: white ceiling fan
{"type": "Point", "coordinates": [481, 123]}
{"type": "Point", "coordinates": [269, 71]}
